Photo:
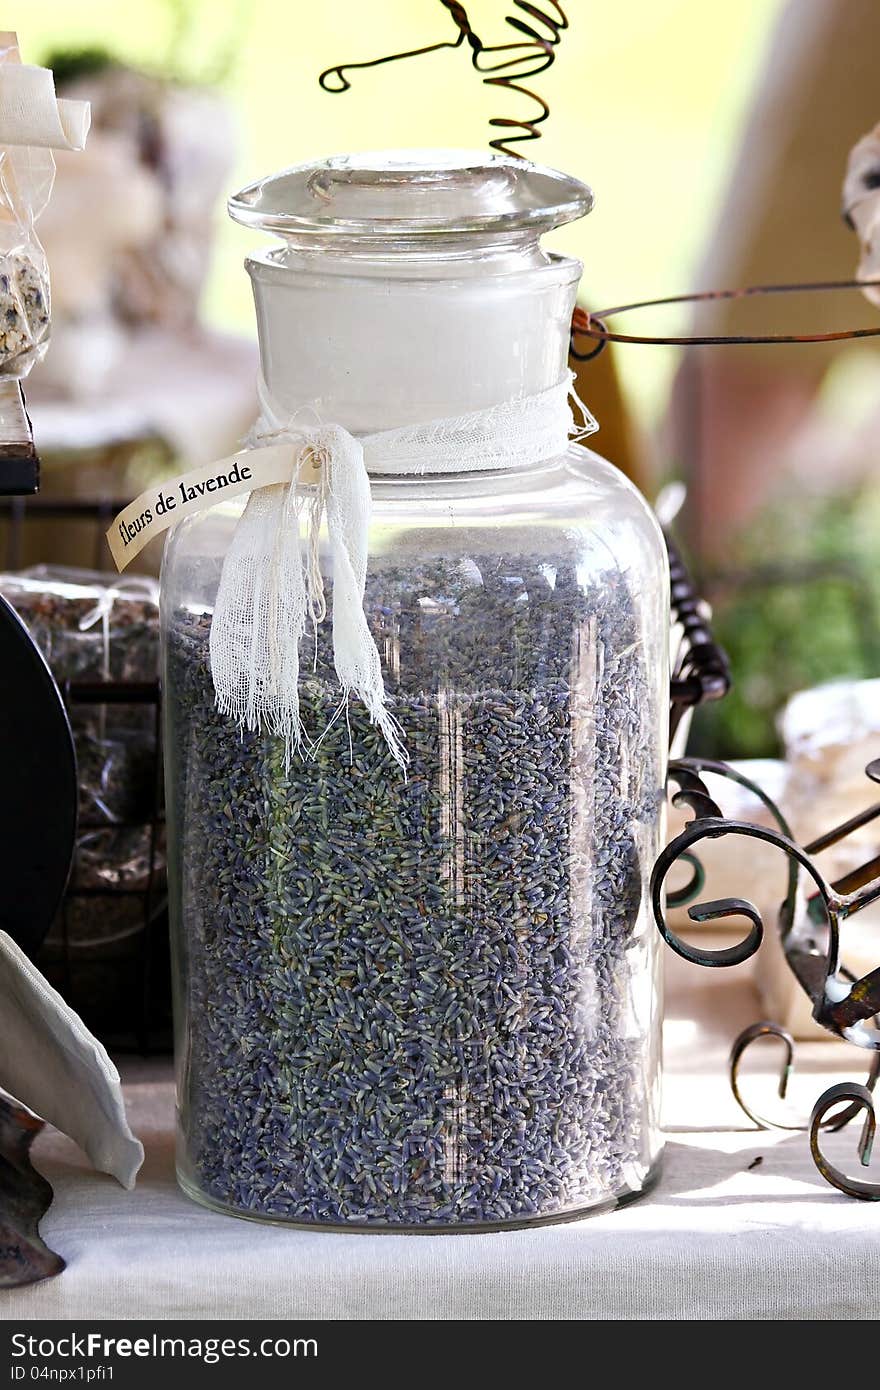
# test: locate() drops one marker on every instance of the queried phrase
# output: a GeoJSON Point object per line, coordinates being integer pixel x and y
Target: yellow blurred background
{"type": "Point", "coordinates": [646, 99]}
{"type": "Point", "coordinates": [715, 138]}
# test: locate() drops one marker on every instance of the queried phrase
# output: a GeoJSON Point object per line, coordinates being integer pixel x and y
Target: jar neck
{"type": "Point", "coordinates": [378, 340]}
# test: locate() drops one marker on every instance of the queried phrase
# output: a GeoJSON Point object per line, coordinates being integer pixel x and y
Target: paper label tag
{"type": "Point", "coordinates": [164, 504]}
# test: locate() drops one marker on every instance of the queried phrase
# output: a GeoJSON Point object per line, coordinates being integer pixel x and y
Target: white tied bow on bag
{"type": "Point", "coordinates": [271, 588]}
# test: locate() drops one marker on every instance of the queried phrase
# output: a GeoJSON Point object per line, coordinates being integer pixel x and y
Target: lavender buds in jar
{"type": "Point", "coordinates": [416, 975]}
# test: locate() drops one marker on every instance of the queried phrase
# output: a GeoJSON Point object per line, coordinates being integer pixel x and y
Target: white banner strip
{"type": "Point", "coordinates": [163, 505]}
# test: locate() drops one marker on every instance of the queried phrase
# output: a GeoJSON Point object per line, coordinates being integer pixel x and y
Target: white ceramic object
{"type": "Point", "coordinates": [50, 1062]}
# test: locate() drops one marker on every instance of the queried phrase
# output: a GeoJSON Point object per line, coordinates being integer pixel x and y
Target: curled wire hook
{"type": "Point", "coordinates": [514, 63]}
{"type": "Point", "coordinates": [582, 322]}
{"type": "Point", "coordinates": [459, 14]}
{"type": "Point", "coordinates": [860, 1098]}
{"type": "Point", "coordinates": [590, 325]}
{"type": "Point", "coordinates": [529, 59]}
{"type": "Point", "coordinates": [766, 1029]}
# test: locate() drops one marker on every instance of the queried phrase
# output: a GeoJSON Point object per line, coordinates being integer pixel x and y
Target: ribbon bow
{"type": "Point", "coordinates": [270, 591]}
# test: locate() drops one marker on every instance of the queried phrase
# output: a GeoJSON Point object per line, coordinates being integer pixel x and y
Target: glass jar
{"type": "Point", "coordinates": [428, 999]}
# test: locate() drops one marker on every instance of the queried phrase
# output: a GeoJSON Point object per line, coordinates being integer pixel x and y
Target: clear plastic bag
{"type": "Point", "coordinates": [89, 624]}
{"type": "Point", "coordinates": [90, 628]}
{"type": "Point", "coordinates": [108, 942]}
{"type": "Point", "coordinates": [24, 298]}
{"type": "Point", "coordinates": [32, 123]}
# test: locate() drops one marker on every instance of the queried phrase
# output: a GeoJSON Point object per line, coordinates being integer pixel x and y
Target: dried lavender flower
{"type": "Point", "coordinates": [426, 1002]}
{"type": "Point", "coordinates": [24, 309]}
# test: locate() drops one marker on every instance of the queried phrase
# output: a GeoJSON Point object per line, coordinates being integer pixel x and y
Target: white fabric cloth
{"type": "Point", "coordinates": [717, 1239]}
{"type": "Point", "coordinates": [31, 114]}
{"type": "Point", "coordinates": [270, 591]}
{"type": "Point", "coordinates": [271, 588]}
{"type": "Point", "coordinates": [33, 122]}
{"type": "Point", "coordinates": [513, 434]}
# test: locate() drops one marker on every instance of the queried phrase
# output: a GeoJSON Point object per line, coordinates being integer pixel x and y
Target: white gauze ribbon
{"type": "Point", "coordinates": [271, 587]}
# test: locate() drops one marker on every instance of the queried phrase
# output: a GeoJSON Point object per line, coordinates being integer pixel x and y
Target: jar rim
{"type": "Point", "coordinates": [411, 193]}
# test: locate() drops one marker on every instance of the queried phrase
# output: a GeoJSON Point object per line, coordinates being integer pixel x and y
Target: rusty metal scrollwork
{"type": "Point", "coordinates": [766, 1029]}
{"type": "Point", "coordinates": [810, 934]}
{"type": "Point", "coordinates": [858, 1099]}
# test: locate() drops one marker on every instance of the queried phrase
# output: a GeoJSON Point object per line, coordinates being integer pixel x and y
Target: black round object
{"type": "Point", "coordinates": [38, 796]}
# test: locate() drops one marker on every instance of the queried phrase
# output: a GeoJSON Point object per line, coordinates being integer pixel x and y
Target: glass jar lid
{"type": "Point", "coordinates": [411, 193]}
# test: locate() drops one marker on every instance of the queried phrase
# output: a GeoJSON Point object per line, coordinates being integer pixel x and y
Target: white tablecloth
{"type": "Point", "coordinates": [718, 1237]}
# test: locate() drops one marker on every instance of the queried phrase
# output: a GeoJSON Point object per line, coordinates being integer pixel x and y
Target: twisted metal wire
{"type": "Point", "coordinates": [505, 65]}
{"type": "Point", "coordinates": [594, 325]}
